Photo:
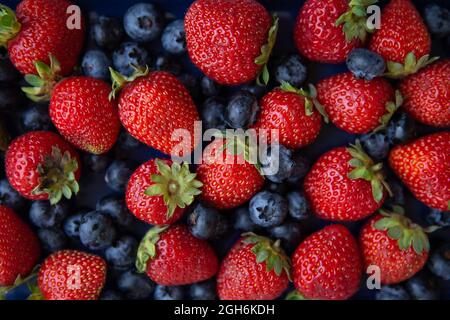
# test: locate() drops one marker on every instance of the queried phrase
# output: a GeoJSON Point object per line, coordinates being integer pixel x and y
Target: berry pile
{"type": "Point", "coordinates": [88, 187]}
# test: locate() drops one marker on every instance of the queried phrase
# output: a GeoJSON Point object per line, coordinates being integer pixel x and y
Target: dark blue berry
{"type": "Point", "coordinates": [168, 63]}
{"type": "Point", "coordinates": [257, 91]}
{"type": "Point", "coordinates": [376, 145]}
{"type": "Point", "coordinates": [423, 287]}
{"type": "Point", "coordinates": [118, 174]}
{"type": "Point", "coordinates": [292, 70]}
{"type": "Point", "coordinates": [277, 163]}
{"type": "Point", "coordinates": [437, 19]}
{"type": "Point", "coordinates": [107, 32]}
{"type": "Point", "coordinates": [242, 110]}
{"type": "Point", "coordinates": [143, 22]}
{"type": "Point", "coordinates": [206, 222]}
{"type": "Point", "coordinates": [401, 128]}
{"type": "Point", "coordinates": [174, 38]}
{"type": "Point", "coordinates": [280, 188]}
{"type": "Point", "coordinates": [268, 209]}
{"type": "Point", "coordinates": [212, 113]}
{"type": "Point", "coordinates": [35, 118]}
{"type": "Point", "coordinates": [300, 170]}
{"type": "Point", "coordinates": [209, 87]}
{"type": "Point", "coordinates": [168, 293]}
{"type": "Point", "coordinates": [8, 73]}
{"type": "Point", "coordinates": [398, 192]}
{"type": "Point", "coordinates": [438, 218]}
{"type": "Point", "coordinates": [130, 54]}
{"type": "Point", "coordinates": [11, 98]}
{"type": "Point", "coordinates": [97, 231]}
{"type": "Point", "coordinates": [111, 295]}
{"type": "Point", "coordinates": [45, 215]}
{"type": "Point", "coordinates": [242, 220]}
{"type": "Point", "coordinates": [203, 291]}
{"type": "Point", "coordinates": [126, 142]}
{"type": "Point", "coordinates": [393, 292]}
{"type": "Point", "coordinates": [365, 64]}
{"type": "Point", "coordinates": [96, 64]}
{"type": "Point", "coordinates": [290, 234]}
{"type": "Point", "coordinates": [117, 209]}
{"type": "Point", "coordinates": [72, 224]}
{"type": "Point", "coordinates": [135, 286]}
{"type": "Point", "coordinates": [191, 84]}
{"type": "Point", "coordinates": [97, 162]}
{"type": "Point", "coordinates": [52, 240]}
{"type": "Point", "coordinates": [122, 254]}
{"type": "Point", "coordinates": [10, 197]}
{"type": "Point", "coordinates": [439, 262]}
{"type": "Point", "coordinates": [298, 205]}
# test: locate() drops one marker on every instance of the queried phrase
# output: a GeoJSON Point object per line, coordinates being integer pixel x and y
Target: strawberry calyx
{"type": "Point", "coordinates": [355, 20]}
{"type": "Point", "coordinates": [18, 282]}
{"type": "Point", "coordinates": [266, 50]}
{"type": "Point", "coordinates": [176, 184]}
{"type": "Point", "coordinates": [57, 176]}
{"type": "Point", "coordinates": [366, 169]}
{"type": "Point", "coordinates": [269, 252]}
{"type": "Point", "coordinates": [9, 26]}
{"type": "Point", "coordinates": [119, 81]}
{"type": "Point", "coordinates": [391, 108]}
{"type": "Point", "coordinates": [410, 66]}
{"type": "Point", "coordinates": [295, 295]}
{"type": "Point", "coordinates": [310, 96]}
{"type": "Point", "coordinates": [147, 247]}
{"type": "Point", "coordinates": [43, 83]}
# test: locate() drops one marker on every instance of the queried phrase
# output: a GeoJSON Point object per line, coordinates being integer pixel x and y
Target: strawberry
{"type": "Point", "coordinates": [230, 41]}
{"type": "Point", "coordinates": [393, 243]}
{"type": "Point", "coordinates": [345, 185]}
{"type": "Point", "coordinates": [356, 105]}
{"type": "Point", "coordinates": [38, 28]}
{"type": "Point", "coordinates": [152, 106]}
{"type": "Point", "coordinates": [79, 107]}
{"type": "Point", "coordinates": [172, 256]}
{"type": "Point", "coordinates": [72, 275]}
{"type": "Point", "coordinates": [402, 40]}
{"type": "Point", "coordinates": [327, 265]}
{"type": "Point", "coordinates": [159, 191]}
{"type": "Point", "coordinates": [424, 167]}
{"type": "Point", "coordinates": [293, 112]}
{"type": "Point", "coordinates": [19, 249]}
{"type": "Point", "coordinates": [229, 179]}
{"type": "Point", "coordinates": [326, 31]}
{"type": "Point", "coordinates": [40, 165]}
{"type": "Point", "coordinates": [427, 94]}
{"type": "Point", "coordinates": [255, 268]}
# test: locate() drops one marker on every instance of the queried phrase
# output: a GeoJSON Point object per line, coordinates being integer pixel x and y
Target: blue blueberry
{"type": "Point", "coordinates": [242, 110]}
{"type": "Point", "coordinates": [423, 287]}
{"type": "Point", "coordinates": [277, 163]}
{"type": "Point", "coordinates": [242, 220]}
{"type": "Point", "coordinates": [35, 118]}
{"type": "Point", "coordinates": [174, 38]}
{"type": "Point", "coordinates": [135, 286]}
{"type": "Point", "coordinates": [116, 208]}
{"type": "Point", "coordinates": [392, 292]}
{"type": "Point", "coordinates": [52, 239]}
{"type": "Point", "coordinates": [8, 73]}
{"type": "Point", "coordinates": [210, 88]}
{"type": "Point", "coordinates": [97, 162]}
{"type": "Point", "coordinates": [439, 262]}
{"type": "Point", "coordinates": [400, 129]}
{"type": "Point", "coordinates": [72, 224]}
{"type": "Point", "coordinates": [206, 222]}
{"type": "Point", "coordinates": [438, 218]}
{"type": "Point", "coordinates": [280, 188]}
{"type": "Point", "coordinates": [398, 191]}
{"type": "Point", "coordinates": [118, 174]}
{"type": "Point", "coordinates": [437, 19]}
{"type": "Point", "coordinates": [290, 234]}
{"type": "Point", "coordinates": [254, 89]}
{"type": "Point", "coordinates": [292, 70]}
{"type": "Point", "coordinates": [130, 54]}
{"type": "Point", "coordinates": [169, 293]}
{"type": "Point", "coordinates": [143, 22]}
{"type": "Point", "coordinates": [107, 32]}
{"type": "Point", "coordinates": [10, 197]}
{"type": "Point", "coordinates": [376, 145]}
{"type": "Point", "coordinates": [203, 291]}
{"type": "Point", "coordinates": [97, 231]}
{"type": "Point", "coordinates": [126, 142]}
{"type": "Point", "coordinates": [44, 215]}
{"type": "Point", "coordinates": [268, 209]}
{"type": "Point", "coordinates": [212, 113]}
{"type": "Point", "coordinates": [122, 254]}
{"type": "Point", "coordinates": [300, 170]}
{"type": "Point", "coordinates": [96, 64]}
{"type": "Point", "coordinates": [365, 64]}
{"type": "Point", "coordinates": [11, 98]}
{"type": "Point", "coordinates": [191, 84]}
{"type": "Point", "coordinates": [168, 63]}
{"type": "Point", "coordinates": [298, 205]}
{"type": "Point", "coordinates": [111, 295]}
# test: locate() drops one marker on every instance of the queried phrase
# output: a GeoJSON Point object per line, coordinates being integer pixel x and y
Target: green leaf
{"type": "Point", "coordinates": [295, 295]}
{"type": "Point", "coordinates": [395, 232]}
{"type": "Point", "coordinates": [377, 190]}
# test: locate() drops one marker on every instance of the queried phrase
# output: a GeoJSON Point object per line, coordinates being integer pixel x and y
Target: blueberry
{"type": "Point", "coordinates": [209, 87]}
{"type": "Point", "coordinates": [45, 215]}
{"type": "Point", "coordinates": [130, 54]}
{"type": "Point", "coordinates": [212, 113]}
{"type": "Point", "coordinates": [118, 174]}
{"type": "Point", "coordinates": [174, 38]}
{"type": "Point", "coordinates": [242, 220]}
{"type": "Point", "coordinates": [191, 84]}
{"type": "Point", "coordinates": [203, 291]}
{"type": "Point", "coordinates": [242, 110]}
{"type": "Point", "coordinates": [8, 73]}
{"type": "Point", "coordinates": [280, 188]}
{"type": "Point", "coordinates": [439, 262]}
{"type": "Point", "coordinates": [277, 163]}
{"type": "Point", "coordinates": [96, 64]}
{"type": "Point", "coordinates": [423, 287]}
{"type": "Point", "coordinates": [437, 19]}
{"type": "Point", "coordinates": [206, 222]}
{"type": "Point", "coordinates": [439, 218]}
{"type": "Point", "coordinates": [298, 205]}
{"type": "Point", "coordinates": [398, 191]}
{"type": "Point", "coordinates": [52, 240]}
{"type": "Point", "coordinates": [97, 162]}
{"type": "Point", "coordinates": [292, 70]}
{"type": "Point", "coordinates": [392, 292]}
{"type": "Point", "coordinates": [300, 170]}
{"type": "Point", "coordinates": [254, 89]}
{"type": "Point", "coordinates": [11, 98]}
{"type": "Point", "coordinates": [97, 231]}
{"type": "Point", "coordinates": [365, 64]}
{"type": "Point", "coordinates": [126, 142]}
{"type": "Point", "coordinates": [268, 209]}
{"type": "Point", "coordinates": [117, 209]}
{"type": "Point", "coordinates": [35, 118]}
{"type": "Point", "coordinates": [108, 32]}
{"type": "Point", "coordinates": [135, 286]}
{"type": "Point", "coordinates": [289, 233]}
{"type": "Point", "coordinates": [111, 295]}
{"type": "Point", "coordinates": [10, 197]}
{"type": "Point", "coordinates": [122, 254]}
{"type": "Point", "coordinates": [401, 128]}
{"type": "Point", "coordinates": [72, 224]}
{"type": "Point", "coordinates": [143, 22]}
{"type": "Point", "coordinates": [167, 63]}
{"type": "Point", "coordinates": [376, 144]}
{"type": "Point", "coordinates": [168, 293]}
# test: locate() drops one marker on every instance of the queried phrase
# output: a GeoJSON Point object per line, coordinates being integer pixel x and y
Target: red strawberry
{"type": "Point", "coordinates": [345, 185]}
{"type": "Point", "coordinates": [230, 41]}
{"type": "Point", "coordinates": [19, 248]}
{"type": "Point", "coordinates": [424, 167]}
{"type": "Point", "coordinates": [40, 27]}
{"type": "Point", "coordinates": [320, 35]}
{"type": "Point", "coordinates": [229, 179]}
{"type": "Point", "coordinates": [356, 105]}
{"type": "Point", "coordinates": [403, 39]}
{"type": "Point", "coordinates": [40, 165]}
{"type": "Point", "coordinates": [292, 112]}
{"type": "Point", "coordinates": [159, 191]}
{"type": "Point", "coordinates": [152, 106]}
{"type": "Point", "coordinates": [397, 246]}
{"type": "Point", "coordinates": [427, 94]}
{"type": "Point", "coordinates": [72, 275]}
{"type": "Point", "coordinates": [255, 268]}
{"type": "Point", "coordinates": [172, 256]}
{"type": "Point", "coordinates": [327, 265]}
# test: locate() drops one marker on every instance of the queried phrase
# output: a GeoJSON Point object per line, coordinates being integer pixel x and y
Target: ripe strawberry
{"type": "Point", "coordinates": [40, 165]}
{"type": "Point", "coordinates": [327, 265]}
{"type": "Point", "coordinates": [427, 94]}
{"type": "Point", "coordinates": [424, 167]}
{"type": "Point", "coordinates": [393, 243]}
{"type": "Point", "coordinates": [292, 112]}
{"type": "Point", "coordinates": [40, 27]}
{"type": "Point", "coordinates": [152, 106]}
{"type": "Point", "coordinates": [326, 31]}
{"type": "Point", "coordinates": [172, 256]}
{"type": "Point", "coordinates": [72, 275]}
{"type": "Point", "coordinates": [19, 248]}
{"type": "Point", "coordinates": [255, 268]}
{"type": "Point", "coordinates": [159, 191]}
{"type": "Point", "coordinates": [403, 39]}
{"type": "Point", "coordinates": [345, 185]}
{"type": "Point", "coordinates": [230, 41]}
{"type": "Point", "coordinates": [356, 105]}
{"type": "Point", "coordinates": [229, 179]}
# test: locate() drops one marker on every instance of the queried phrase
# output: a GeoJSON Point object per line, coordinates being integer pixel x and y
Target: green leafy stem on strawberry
{"type": "Point", "coordinates": [119, 81]}
{"type": "Point", "coordinates": [391, 108]}
{"type": "Point", "coordinates": [410, 66]}
{"type": "Point", "coordinates": [147, 247]}
{"type": "Point", "coordinates": [9, 26]}
{"type": "Point", "coordinates": [266, 50]}
{"type": "Point", "coordinates": [28, 280]}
